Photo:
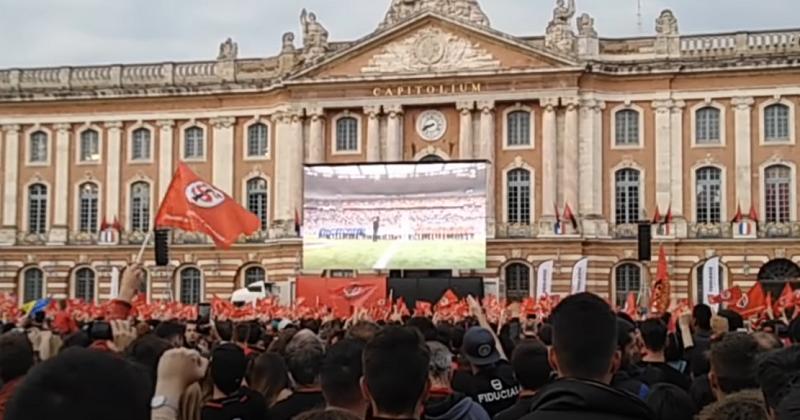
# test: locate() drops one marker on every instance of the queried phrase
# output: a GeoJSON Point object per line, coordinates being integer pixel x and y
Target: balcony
{"type": "Point", "coordinates": [709, 230]}
{"type": "Point", "coordinates": [259, 237]}
{"type": "Point", "coordinates": [25, 238]}
{"type": "Point", "coordinates": [625, 231]}
{"type": "Point", "coordinates": [82, 238]}
{"type": "Point", "coordinates": [515, 231]}
{"type": "Point", "coordinates": [779, 230]}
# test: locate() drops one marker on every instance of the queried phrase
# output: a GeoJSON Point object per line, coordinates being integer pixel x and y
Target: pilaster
{"type": "Point", "coordinates": [549, 157]}
{"type": "Point", "coordinates": [487, 152]}
{"type": "Point", "coordinates": [316, 139]}
{"type": "Point", "coordinates": [165, 156]}
{"type": "Point", "coordinates": [571, 153]}
{"type": "Point", "coordinates": [58, 230]}
{"type": "Point", "coordinates": [394, 133]}
{"type": "Point", "coordinates": [222, 162]}
{"type": "Point", "coordinates": [10, 184]}
{"type": "Point", "coordinates": [465, 138]}
{"type": "Point", "coordinates": [744, 184]}
{"type": "Point", "coordinates": [663, 153]}
{"type": "Point", "coordinates": [372, 113]}
{"type": "Point", "coordinates": [113, 162]}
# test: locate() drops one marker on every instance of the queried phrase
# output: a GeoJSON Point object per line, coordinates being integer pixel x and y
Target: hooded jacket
{"type": "Point", "coordinates": [573, 399]}
{"type": "Point", "coordinates": [453, 406]}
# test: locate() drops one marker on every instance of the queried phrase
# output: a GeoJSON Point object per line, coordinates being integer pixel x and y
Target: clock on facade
{"type": "Point", "coordinates": [431, 125]}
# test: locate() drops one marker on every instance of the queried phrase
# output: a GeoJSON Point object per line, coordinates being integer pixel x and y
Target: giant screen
{"type": "Point", "coordinates": [395, 216]}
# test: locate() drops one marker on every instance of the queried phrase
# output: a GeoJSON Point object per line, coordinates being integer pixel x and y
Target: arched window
{"type": "Point", "coordinates": [628, 279]}
{"type": "Point", "coordinates": [519, 196]}
{"type": "Point", "coordinates": [707, 125]}
{"type": "Point", "coordinates": [346, 134]}
{"type": "Point", "coordinates": [140, 206]}
{"type": "Point", "coordinates": [37, 209]}
{"type": "Point", "coordinates": [32, 284]}
{"type": "Point", "coordinates": [84, 284]}
{"type": "Point", "coordinates": [709, 195]}
{"type": "Point", "coordinates": [519, 128]}
{"type": "Point", "coordinates": [627, 127]}
{"type": "Point", "coordinates": [193, 143]}
{"type": "Point", "coordinates": [257, 140]}
{"type": "Point", "coordinates": [38, 147]}
{"type": "Point", "coordinates": [776, 123]}
{"type": "Point", "coordinates": [518, 281]}
{"type": "Point", "coordinates": [258, 200]}
{"type": "Point", "coordinates": [627, 196]}
{"type": "Point", "coordinates": [432, 158]}
{"type": "Point", "coordinates": [775, 274]}
{"type": "Point", "coordinates": [777, 193]}
{"type": "Point", "coordinates": [87, 211]}
{"type": "Point", "coordinates": [90, 146]}
{"type": "Point", "coordinates": [254, 275]}
{"type": "Point", "coordinates": [191, 287]}
{"type": "Point", "coordinates": [140, 144]}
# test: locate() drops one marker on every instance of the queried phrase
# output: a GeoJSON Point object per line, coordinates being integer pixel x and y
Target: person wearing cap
{"type": "Point", "coordinates": [443, 403]}
{"type": "Point", "coordinates": [230, 399]}
{"type": "Point", "coordinates": [490, 381]}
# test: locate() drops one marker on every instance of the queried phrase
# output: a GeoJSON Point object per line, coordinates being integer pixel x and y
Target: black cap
{"type": "Point", "coordinates": [479, 347]}
{"type": "Point", "coordinates": [228, 367]}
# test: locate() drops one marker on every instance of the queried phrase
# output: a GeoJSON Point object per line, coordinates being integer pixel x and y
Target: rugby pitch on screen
{"type": "Point", "coordinates": [322, 254]}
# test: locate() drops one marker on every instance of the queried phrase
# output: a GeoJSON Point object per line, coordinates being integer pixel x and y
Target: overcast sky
{"type": "Point", "coordinates": [75, 32]}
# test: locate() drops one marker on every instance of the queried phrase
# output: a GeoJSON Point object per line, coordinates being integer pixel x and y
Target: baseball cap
{"type": "Point", "coordinates": [479, 347]}
{"type": "Point", "coordinates": [228, 366]}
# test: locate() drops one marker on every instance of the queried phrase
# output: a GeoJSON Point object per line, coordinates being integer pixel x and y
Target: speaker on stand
{"type": "Point", "coordinates": [645, 239]}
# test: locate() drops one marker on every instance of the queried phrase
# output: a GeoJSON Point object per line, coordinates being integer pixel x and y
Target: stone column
{"type": "Point", "coordinates": [165, 156]}
{"type": "Point", "coordinates": [60, 195]}
{"type": "Point", "coordinates": [8, 230]}
{"type": "Point", "coordinates": [487, 142]}
{"type": "Point", "coordinates": [394, 133]}
{"type": "Point", "coordinates": [296, 162]}
{"type": "Point", "coordinates": [663, 153]}
{"type": "Point", "coordinates": [587, 159]}
{"type": "Point", "coordinates": [744, 170]}
{"type": "Point", "coordinates": [570, 155]}
{"type": "Point", "coordinates": [222, 161]}
{"type": "Point", "coordinates": [372, 113]}
{"type": "Point", "coordinates": [113, 165]}
{"type": "Point", "coordinates": [465, 140]}
{"type": "Point", "coordinates": [676, 162]}
{"type": "Point", "coordinates": [316, 138]}
{"type": "Point", "coordinates": [283, 211]}
{"type": "Point", "coordinates": [549, 156]}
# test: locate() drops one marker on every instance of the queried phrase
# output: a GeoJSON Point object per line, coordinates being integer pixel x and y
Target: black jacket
{"type": "Point", "coordinates": [572, 399]}
{"type": "Point", "coordinates": [455, 406]}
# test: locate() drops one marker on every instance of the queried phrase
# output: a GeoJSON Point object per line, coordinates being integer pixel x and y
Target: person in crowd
{"type": "Point", "coordinates": [269, 376]}
{"type": "Point", "coordinates": [304, 355]}
{"type": "Point", "coordinates": [584, 353]}
{"type": "Point", "coordinates": [767, 341]}
{"type": "Point", "coordinates": [744, 405]}
{"type": "Point", "coordinates": [231, 400]}
{"type": "Point", "coordinates": [733, 364]}
{"type": "Point", "coordinates": [224, 330]}
{"type": "Point", "coordinates": [171, 331]}
{"type": "Point", "coordinates": [443, 403]}
{"type": "Point", "coordinates": [146, 351]}
{"type": "Point", "coordinates": [329, 414]}
{"type": "Point", "coordinates": [16, 359]}
{"type": "Point", "coordinates": [191, 337]}
{"type": "Point", "coordinates": [697, 355]}
{"type": "Point", "coordinates": [395, 378]}
{"type": "Point", "coordinates": [670, 402]}
{"type": "Point", "coordinates": [656, 369]}
{"type": "Point", "coordinates": [735, 321]}
{"type": "Point", "coordinates": [533, 371]}
{"type": "Point", "coordinates": [362, 330]}
{"type": "Point", "coordinates": [340, 376]}
{"type": "Point", "coordinates": [777, 373]}
{"type": "Point", "coordinates": [627, 376]}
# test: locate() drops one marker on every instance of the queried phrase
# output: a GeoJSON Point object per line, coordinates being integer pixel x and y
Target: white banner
{"type": "Point", "coordinates": [710, 279]}
{"type": "Point", "coordinates": [544, 279]}
{"type": "Point", "coordinates": [114, 282]}
{"type": "Point", "coordinates": [579, 276]}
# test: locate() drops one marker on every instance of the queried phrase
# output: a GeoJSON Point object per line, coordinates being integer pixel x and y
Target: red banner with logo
{"type": "Point", "coordinates": [342, 294]}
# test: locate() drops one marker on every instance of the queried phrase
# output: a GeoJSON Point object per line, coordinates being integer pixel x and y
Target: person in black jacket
{"type": "Point", "coordinates": [584, 353]}
{"type": "Point", "coordinates": [533, 372]}
{"type": "Point", "coordinates": [654, 361]}
{"type": "Point", "coordinates": [626, 378]}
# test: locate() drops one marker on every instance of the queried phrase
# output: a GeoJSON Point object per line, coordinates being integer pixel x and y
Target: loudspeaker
{"type": "Point", "coordinates": [645, 232]}
{"type": "Point", "coordinates": [162, 247]}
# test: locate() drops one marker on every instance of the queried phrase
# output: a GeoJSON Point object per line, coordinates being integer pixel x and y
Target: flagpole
{"type": "Point", "coordinates": [138, 259]}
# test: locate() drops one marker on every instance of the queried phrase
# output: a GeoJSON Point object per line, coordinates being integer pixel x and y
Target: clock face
{"type": "Point", "coordinates": [431, 125]}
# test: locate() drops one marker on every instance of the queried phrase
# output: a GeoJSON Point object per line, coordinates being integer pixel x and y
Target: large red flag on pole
{"type": "Point", "coordinates": [194, 205]}
{"type": "Point", "coordinates": [660, 295]}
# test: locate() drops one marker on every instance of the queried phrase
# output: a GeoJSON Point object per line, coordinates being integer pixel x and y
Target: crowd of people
{"type": "Point", "coordinates": [582, 361]}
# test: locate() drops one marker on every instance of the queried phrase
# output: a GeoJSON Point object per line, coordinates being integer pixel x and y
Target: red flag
{"type": "Point", "coordinates": [568, 215]}
{"type": "Point", "coordinates": [356, 293]}
{"type": "Point", "coordinates": [194, 205]}
{"type": "Point", "coordinates": [422, 308]}
{"type": "Point", "coordinates": [116, 225]}
{"type": "Point", "coordinates": [753, 215]}
{"type": "Point", "coordinates": [630, 305]}
{"type": "Point", "coordinates": [657, 217]}
{"type": "Point", "coordinates": [727, 297]}
{"type": "Point", "coordinates": [660, 295]}
{"type": "Point", "coordinates": [786, 299]}
{"type": "Point", "coordinates": [402, 308]}
{"type": "Point", "coordinates": [529, 305]}
{"type": "Point", "coordinates": [448, 299]}
{"type": "Point", "coordinates": [738, 216]}
{"type": "Point", "coordinates": [668, 217]}
{"type": "Point", "coordinates": [751, 304]}
{"type": "Point", "coordinates": [103, 225]}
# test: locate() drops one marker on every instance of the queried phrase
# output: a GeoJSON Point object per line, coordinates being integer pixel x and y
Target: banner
{"type": "Point", "coordinates": [114, 282]}
{"type": "Point", "coordinates": [710, 279]}
{"type": "Point", "coordinates": [544, 280]}
{"type": "Point", "coordinates": [341, 294]}
{"type": "Point", "coordinates": [579, 276]}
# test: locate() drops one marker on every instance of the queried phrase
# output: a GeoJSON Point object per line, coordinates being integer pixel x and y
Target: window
{"type": "Point", "coordinates": [627, 196]}
{"type": "Point", "coordinates": [774, 275]}
{"type": "Point", "coordinates": [707, 126]}
{"type": "Point", "coordinates": [257, 140]}
{"type": "Point", "coordinates": [628, 279]}
{"type": "Point", "coordinates": [87, 212]}
{"type": "Point", "coordinates": [776, 123]}
{"type": "Point", "coordinates": [190, 286]}
{"type": "Point", "coordinates": [518, 281]}
{"type": "Point", "coordinates": [627, 128]}
{"type": "Point", "coordinates": [254, 275]}
{"type": "Point", "coordinates": [709, 195]}
{"type": "Point", "coordinates": [37, 209]}
{"type": "Point", "coordinates": [347, 134]}
{"type": "Point", "coordinates": [140, 207]}
{"type": "Point", "coordinates": [257, 200]}
{"type": "Point", "coordinates": [193, 143]}
{"type": "Point", "coordinates": [140, 144]}
{"type": "Point", "coordinates": [84, 284]}
{"type": "Point", "coordinates": [90, 146]}
{"type": "Point", "coordinates": [38, 147]}
{"type": "Point", "coordinates": [777, 193]}
{"type": "Point", "coordinates": [32, 285]}
{"type": "Point", "coordinates": [519, 128]}
{"type": "Point", "coordinates": [519, 197]}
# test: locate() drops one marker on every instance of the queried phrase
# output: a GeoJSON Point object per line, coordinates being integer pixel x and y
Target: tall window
{"type": "Point", "coordinates": [518, 281]}
{"type": "Point", "coordinates": [346, 134]}
{"type": "Point", "coordinates": [519, 197]}
{"type": "Point", "coordinates": [87, 212]}
{"type": "Point", "coordinates": [254, 275]}
{"type": "Point", "coordinates": [627, 196]}
{"type": "Point", "coordinates": [32, 284]}
{"type": "Point", "coordinates": [257, 201]}
{"type": "Point", "coordinates": [709, 195]}
{"type": "Point", "coordinates": [37, 209]}
{"type": "Point", "coordinates": [519, 128]}
{"type": "Point", "coordinates": [628, 279]}
{"type": "Point", "coordinates": [190, 286]}
{"type": "Point", "coordinates": [84, 284]}
{"type": "Point", "coordinates": [193, 143]}
{"type": "Point", "coordinates": [627, 127]}
{"type": "Point", "coordinates": [38, 147]}
{"type": "Point", "coordinates": [257, 140]}
{"type": "Point", "coordinates": [140, 144]}
{"type": "Point", "coordinates": [90, 146]}
{"type": "Point", "coordinates": [707, 125]}
{"type": "Point", "coordinates": [140, 207]}
{"type": "Point", "coordinates": [777, 184]}
{"type": "Point", "coordinates": [776, 123]}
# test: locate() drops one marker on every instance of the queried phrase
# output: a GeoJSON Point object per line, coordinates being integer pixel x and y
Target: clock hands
{"type": "Point", "coordinates": [428, 126]}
